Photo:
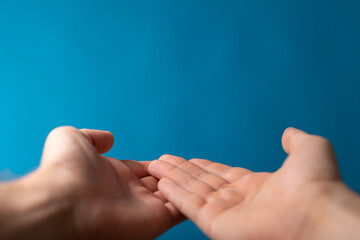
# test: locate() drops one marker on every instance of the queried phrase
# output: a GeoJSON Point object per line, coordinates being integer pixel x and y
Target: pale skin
{"type": "Point", "coordinates": [77, 193]}
{"type": "Point", "coordinates": [304, 199]}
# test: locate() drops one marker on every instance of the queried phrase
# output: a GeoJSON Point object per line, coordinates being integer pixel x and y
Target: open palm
{"type": "Point", "coordinates": [111, 198]}
{"type": "Point", "coordinates": [236, 203]}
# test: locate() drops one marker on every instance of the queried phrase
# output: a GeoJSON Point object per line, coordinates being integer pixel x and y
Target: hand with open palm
{"type": "Point", "coordinates": [304, 199]}
{"type": "Point", "coordinates": [77, 193]}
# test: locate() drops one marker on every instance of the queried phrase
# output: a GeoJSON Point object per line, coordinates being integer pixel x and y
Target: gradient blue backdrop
{"type": "Point", "coordinates": [210, 79]}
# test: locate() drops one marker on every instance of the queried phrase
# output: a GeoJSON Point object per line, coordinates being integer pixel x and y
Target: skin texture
{"type": "Point", "coordinates": [304, 199]}
{"type": "Point", "coordinates": [77, 193]}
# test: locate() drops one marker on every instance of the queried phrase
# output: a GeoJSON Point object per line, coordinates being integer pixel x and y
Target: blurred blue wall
{"type": "Point", "coordinates": [210, 79]}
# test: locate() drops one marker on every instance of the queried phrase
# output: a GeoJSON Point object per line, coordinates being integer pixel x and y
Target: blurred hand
{"type": "Point", "coordinates": [304, 199]}
{"type": "Point", "coordinates": [79, 194]}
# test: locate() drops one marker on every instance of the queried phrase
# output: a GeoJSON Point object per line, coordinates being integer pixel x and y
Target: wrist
{"type": "Point", "coordinates": [334, 215]}
{"type": "Point", "coordinates": [34, 207]}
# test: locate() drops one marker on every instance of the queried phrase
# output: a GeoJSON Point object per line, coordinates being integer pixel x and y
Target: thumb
{"type": "Point", "coordinates": [102, 140]}
{"type": "Point", "coordinates": [71, 143]}
{"type": "Point", "coordinates": [309, 155]}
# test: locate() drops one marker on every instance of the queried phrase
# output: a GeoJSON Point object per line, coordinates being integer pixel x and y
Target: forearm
{"type": "Point", "coordinates": [29, 210]}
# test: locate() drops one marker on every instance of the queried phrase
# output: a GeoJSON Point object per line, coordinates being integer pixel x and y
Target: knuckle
{"type": "Point", "coordinates": [322, 142]}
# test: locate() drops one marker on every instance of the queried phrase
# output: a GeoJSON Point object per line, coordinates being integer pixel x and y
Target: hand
{"type": "Point", "coordinates": [79, 194]}
{"type": "Point", "coordinates": [304, 199]}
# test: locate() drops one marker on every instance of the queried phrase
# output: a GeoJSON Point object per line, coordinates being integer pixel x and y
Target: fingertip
{"type": "Point", "coordinates": [95, 131]}
{"type": "Point", "coordinates": [197, 160]}
{"type": "Point", "coordinates": [165, 180]}
{"type": "Point", "coordinates": [164, 184]}
{"type": "Point", "coordinates": [153, 167]}
{"type": "Point", "coordinates": [102, 140]}
{"type": "Point", "coordinates": [165, 157]}
{"type": "Point", "coordinates": [172, 159]}
{"type": "Point", "coordinates": [108, 141]}
{"type": "Point", "coordinates": [285, 138]}
{"type": "Point", "coordinates": [290, 131]}
{"type": "Point", "coordinates": [290, 137]}
{"type": "Point", "coordinates": [145, 164]}
{"type": "Point", "coordinates": [159, 168]}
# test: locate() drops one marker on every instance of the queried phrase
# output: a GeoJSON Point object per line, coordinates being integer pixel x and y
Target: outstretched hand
{"type": "Point", "coordinates": [77, 193]}
{"type": "Point", "coordinates": [80, 194]}
{"type": "Point", "coordinates": [235, 203]}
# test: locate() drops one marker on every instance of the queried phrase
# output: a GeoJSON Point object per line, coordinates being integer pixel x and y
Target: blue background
{"type": "Point", "coordinates": [210, 79]}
